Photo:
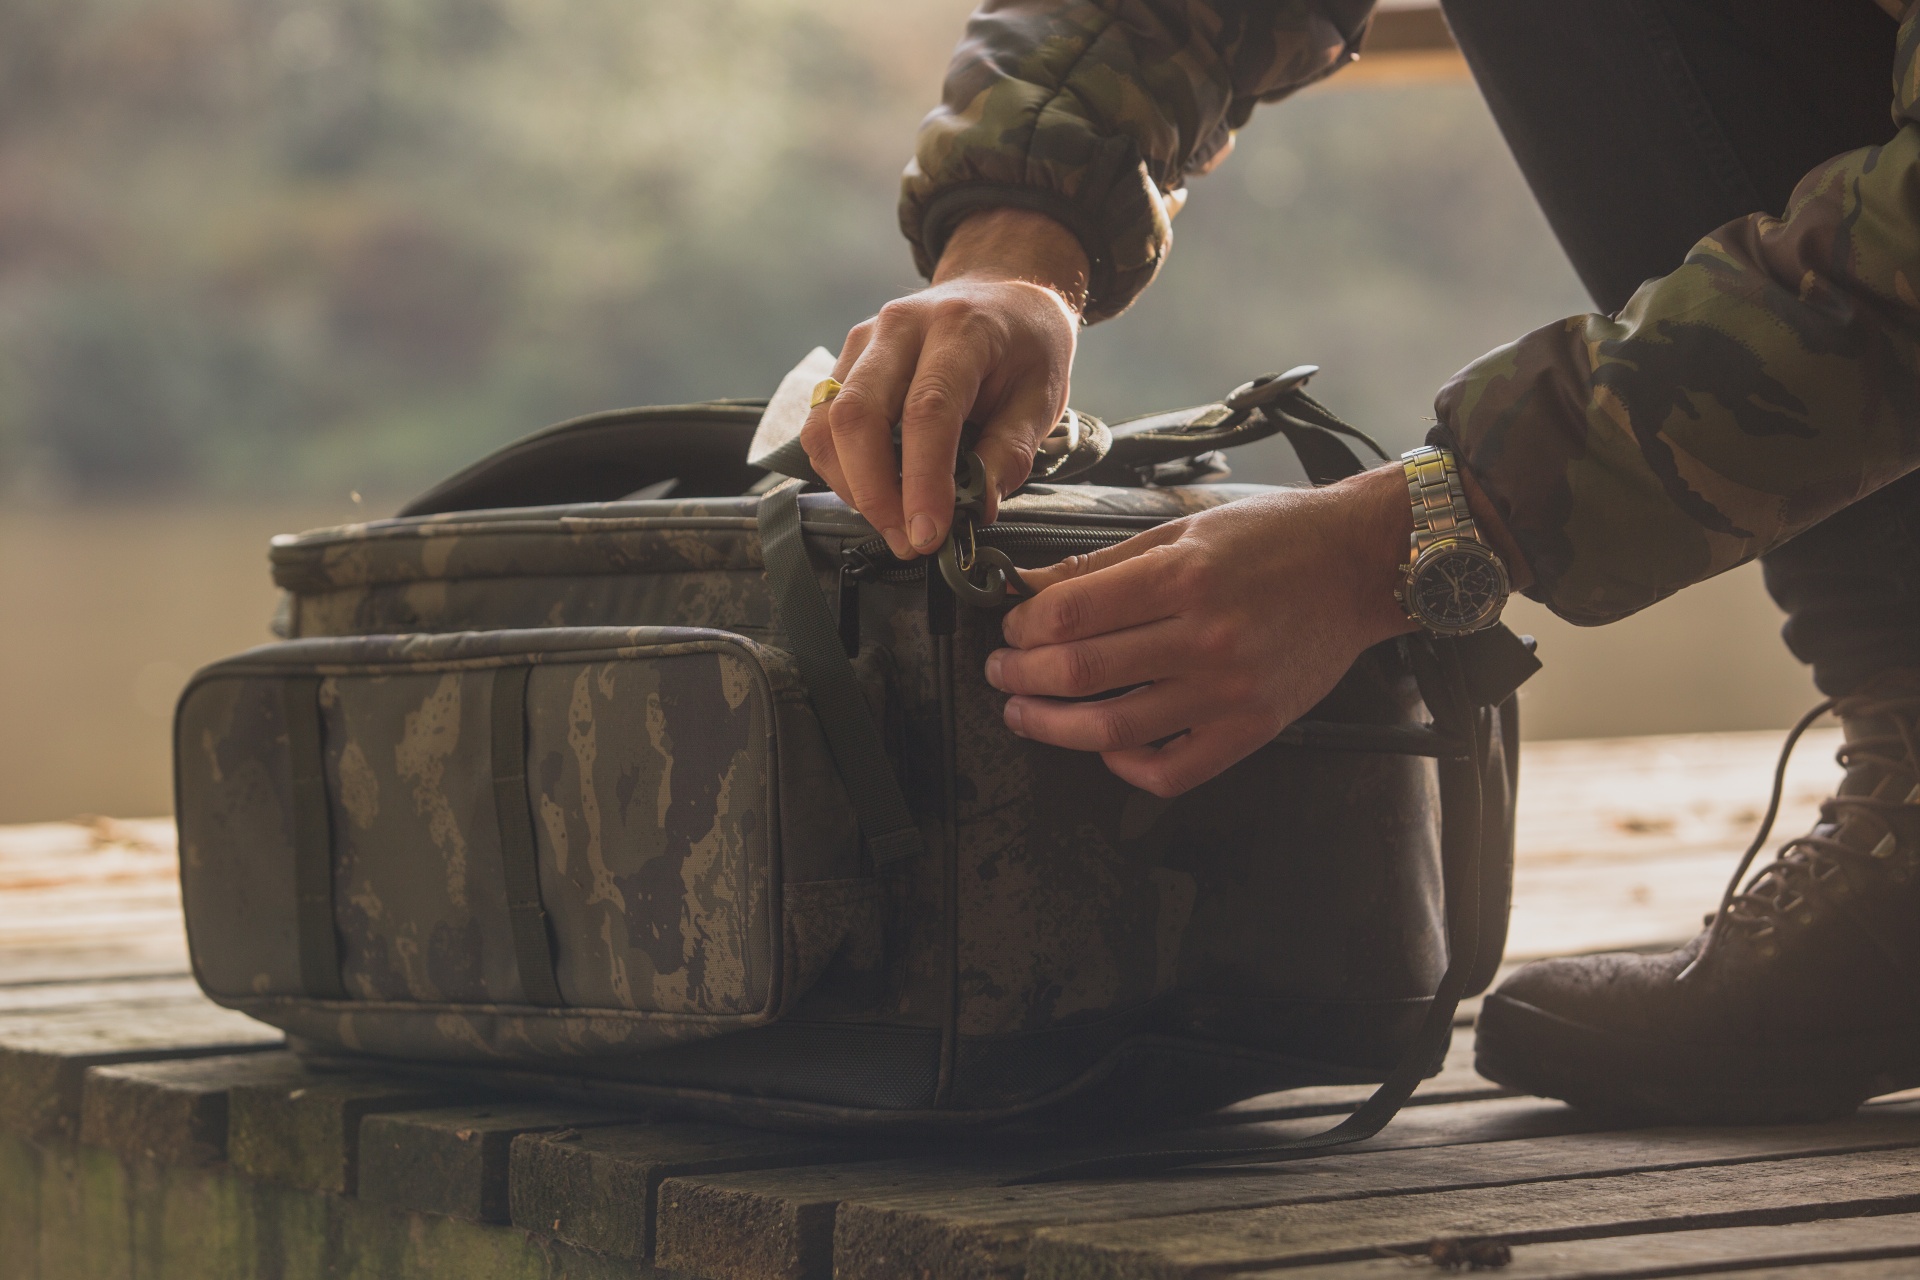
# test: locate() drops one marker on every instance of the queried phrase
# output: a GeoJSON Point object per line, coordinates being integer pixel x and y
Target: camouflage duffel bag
{"type": "Point", "coordinates": [703, 799]}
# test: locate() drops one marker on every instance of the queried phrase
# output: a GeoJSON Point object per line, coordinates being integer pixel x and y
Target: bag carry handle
{"type": "Point", "coordinates": [603, 457]}
{"type": "Point", "coordinates": [1451, 673]}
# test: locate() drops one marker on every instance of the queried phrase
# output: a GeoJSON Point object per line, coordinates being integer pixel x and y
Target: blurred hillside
{"type": "Point", "coordinates": [258, 247]}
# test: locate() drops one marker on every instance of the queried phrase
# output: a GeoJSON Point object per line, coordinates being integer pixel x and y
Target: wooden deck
{"type": "Point", "coordinates": [146, 1133]}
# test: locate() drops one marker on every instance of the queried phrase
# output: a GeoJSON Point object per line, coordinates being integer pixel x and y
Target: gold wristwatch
{"type": "Point", "coordinates": [1453, 584]}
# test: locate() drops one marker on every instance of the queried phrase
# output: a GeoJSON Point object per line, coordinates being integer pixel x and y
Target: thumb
{"type": "Point", "coordinates": [1010, 439]}
{"type": "Point", "coordinates": [1105, 558]}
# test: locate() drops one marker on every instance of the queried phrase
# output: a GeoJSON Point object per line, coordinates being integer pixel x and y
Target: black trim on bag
{"type": "Point", "coordinates": [319, 945]}
{"type": "Point", "coordinates": [519, 859]}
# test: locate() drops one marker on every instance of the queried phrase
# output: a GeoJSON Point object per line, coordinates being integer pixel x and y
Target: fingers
{"type": "Point", "coordinates": [1193, 758]}
{"type": "Point", "coordinates": [1132, 719]}
{"type": "Point", "coordinates": [1105, 558]}
{"type": "Point", "coordinates": [927, 361]}
{"type": "Point", "coordinates": [956, 357]}
{"type": "Point", "coordinates": [1123, 586]}
{"type": "Point", "coordinates": [816, 437]}
{"type": "Point", "coordinates": [861, 421]}
{"type": "Point", "coordinates": [1013, 434]}
{"type": "Point", "coordinates": [1082, 668]}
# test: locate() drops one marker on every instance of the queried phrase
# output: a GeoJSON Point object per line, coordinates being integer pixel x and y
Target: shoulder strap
{"type": "Point", "coordinates": [1444, 684]}
{"type": "Point", "coordinates": [1274, 404]}
{"type": "Point", "coordinates": [813, 636]}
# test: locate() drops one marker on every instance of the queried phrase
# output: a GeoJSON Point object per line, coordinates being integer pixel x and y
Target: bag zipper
{"type": "Point", "coordinates": [874, 561]}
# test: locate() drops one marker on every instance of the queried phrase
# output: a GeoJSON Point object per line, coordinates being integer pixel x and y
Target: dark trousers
{"type": "Point", "coordinates": [1641, 126]}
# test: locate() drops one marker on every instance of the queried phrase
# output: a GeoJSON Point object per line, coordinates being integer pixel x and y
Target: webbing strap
{"type": "Point", "coordinates": [519, 865]}
{"type": "Point", "coordinates": [317, 943]}
{"type": "Point", "coordinates": [813, 635]}
{"type": "Point", "coordinates": [1461, 847]}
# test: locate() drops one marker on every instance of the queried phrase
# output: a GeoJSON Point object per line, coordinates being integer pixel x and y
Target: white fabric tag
{"type": "Point", "coordinates": [787, 412]}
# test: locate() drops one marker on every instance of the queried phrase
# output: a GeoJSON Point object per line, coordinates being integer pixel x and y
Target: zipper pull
{"type": "Point", "coordinates": [856, 563]}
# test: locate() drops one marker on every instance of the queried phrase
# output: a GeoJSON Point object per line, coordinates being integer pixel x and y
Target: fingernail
{"type": "Point", "coordinates": [920, 528]}
{"type": "Point", "coordinates": [1014, 715]}
{"type": "Point", "coordinates": [993, 668]}
{"type": "Point", "coordinates": [897, 543]}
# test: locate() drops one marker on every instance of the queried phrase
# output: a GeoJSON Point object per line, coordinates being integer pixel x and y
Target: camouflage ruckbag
{"type": "Point", "coordinates": [702, 799]}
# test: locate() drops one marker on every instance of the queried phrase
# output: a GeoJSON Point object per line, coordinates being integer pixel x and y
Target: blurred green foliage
{"type": "Point", "coordinates": [260, 247]}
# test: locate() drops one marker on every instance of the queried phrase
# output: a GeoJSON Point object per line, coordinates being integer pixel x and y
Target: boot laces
{"type": "Point", "coordinates": [1778, 889]}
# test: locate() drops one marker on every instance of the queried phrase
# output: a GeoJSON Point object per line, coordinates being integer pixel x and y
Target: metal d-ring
{"type": "Point", "coordinates": [970, 488]}
{"type": "Point", "coordinates": [980, 576]}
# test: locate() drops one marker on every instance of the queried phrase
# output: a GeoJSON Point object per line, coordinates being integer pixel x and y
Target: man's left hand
{"type": "Point", "coordinates": [1225, 627]}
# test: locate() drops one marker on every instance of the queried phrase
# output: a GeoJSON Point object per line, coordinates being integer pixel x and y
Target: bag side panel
{"type": "Point", "coordinates": [1060, 914]}
{"type": "Point", "coordinates": [660, 759]}
{"type": "Point", "coordinates": [654, 813]}
{"type": "Point", "coordinates": [232, 789]}
{"type": "Point", "coordinates": [1290, 907]}
{"type": "Point", "coordinates": [1318, 927]}
{"type": "Point", "coordinates": [419, 889]}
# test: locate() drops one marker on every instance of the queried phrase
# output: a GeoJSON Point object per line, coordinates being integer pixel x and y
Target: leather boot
{"type": "Point", "coordinates": [1800, 1000]}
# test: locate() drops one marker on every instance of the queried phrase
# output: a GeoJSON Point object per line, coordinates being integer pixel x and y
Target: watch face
{"type": "Point", "coordinates": [1457, 587]}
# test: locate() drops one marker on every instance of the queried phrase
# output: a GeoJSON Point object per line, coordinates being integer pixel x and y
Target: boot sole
{"type": "Point", "coordinates": [1530, 1050]}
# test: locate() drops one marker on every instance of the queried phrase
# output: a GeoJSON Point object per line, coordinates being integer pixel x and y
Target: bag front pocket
{"type": "Point", "coordinates": [587, 819]}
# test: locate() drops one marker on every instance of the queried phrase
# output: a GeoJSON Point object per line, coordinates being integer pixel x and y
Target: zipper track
{"type": "Point", "coordinates": [873, 561]}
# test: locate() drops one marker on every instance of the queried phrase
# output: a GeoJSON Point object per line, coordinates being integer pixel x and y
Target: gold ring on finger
{"type": "Point", "coordinates": [823, 392]}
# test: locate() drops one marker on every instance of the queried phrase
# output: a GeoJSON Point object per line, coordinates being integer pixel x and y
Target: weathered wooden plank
{"type": "Point", "coordinates": [31, 998]}
{"type": "Point", "coordinates": [777, 1224]}
{"type": "Point", "coordinates": [1627, 842]}
{"type": "Point", "coordinates": [705, 1228]}
{"type": "Point", "coordinates": [174, 1112]}
{"type": "Point", "coordinates": [988, 1231]}
{"type": "Point", "coordinates": [1755, 1193]}
{"type": "Point", "coordinates": [20, 1175]}
{"type": "Point", "coordinates": [597, 1188]}
{"type": "Point", "coordinates": [453, 1160]}
{"type": "Point", "coordinates": [1797, 1244]}
{"type": "Point", "coordinates": [69, 1212]}
{"type": "Point", "coordinates": [1900, 1268]}
{"type": "Point", "coordinates": [122, 955]}
{"type": "Point", "coordinates": [44, 1058]}
{"type": "Point", "coordinates": [94, 899]}
{"type": "Point", "coordinates": [307, 1133]}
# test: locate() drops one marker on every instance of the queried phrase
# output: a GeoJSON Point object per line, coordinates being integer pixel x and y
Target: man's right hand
{"type": "Point", "coordinates": [991, 341]}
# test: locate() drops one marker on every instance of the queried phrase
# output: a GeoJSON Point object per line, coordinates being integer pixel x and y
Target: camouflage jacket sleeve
{"type": "Point", "coordinates": [1096, 111]}
{"type": "Point", "coordinates": [1770, 381]}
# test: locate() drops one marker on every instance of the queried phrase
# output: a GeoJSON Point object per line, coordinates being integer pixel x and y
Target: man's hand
{"type": "Point", "coordinates": [991, 340]}
{"type": "Point", "coordinates": [1234, 621]}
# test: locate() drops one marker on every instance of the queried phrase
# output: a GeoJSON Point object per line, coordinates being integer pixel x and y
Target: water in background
{"type": "Point", "coordinates": [259, 255]}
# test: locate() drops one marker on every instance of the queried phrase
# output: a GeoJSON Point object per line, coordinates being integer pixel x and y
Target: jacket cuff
{"type": "Point", "coordinates": [1114, 278]}
{"type": "Point", "coordinates": [1494, 487]}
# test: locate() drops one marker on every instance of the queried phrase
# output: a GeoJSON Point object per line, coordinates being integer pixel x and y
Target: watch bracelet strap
{"type": "Point", "coordinates": [1439, 499]}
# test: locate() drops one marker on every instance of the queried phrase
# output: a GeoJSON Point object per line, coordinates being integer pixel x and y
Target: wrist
{"type": "Point", "coordinates": [1380, 543]}
{"type": "Point", "coordinates": [1017, 244]}
{"type": "Point", "coordinates": [1379, 536]}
